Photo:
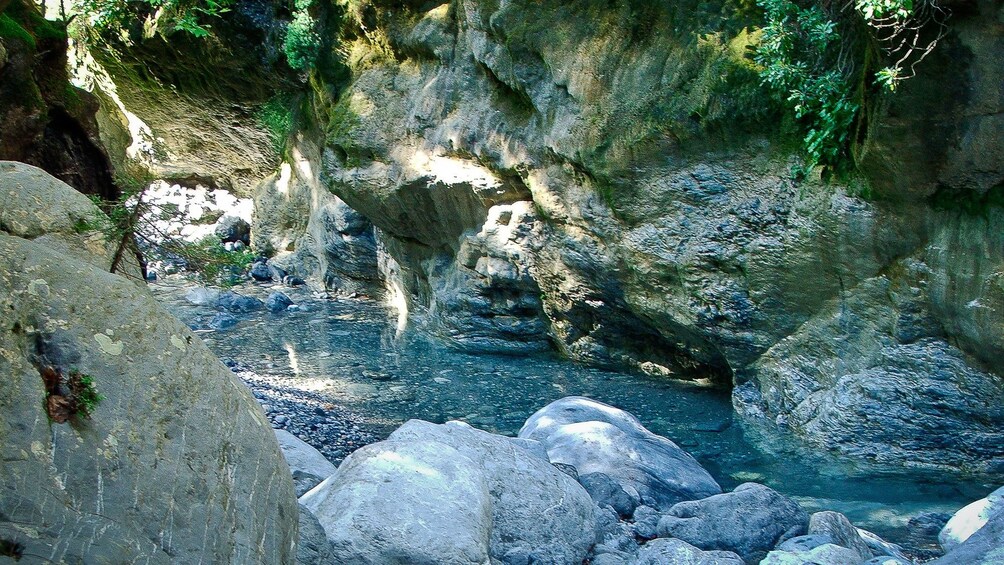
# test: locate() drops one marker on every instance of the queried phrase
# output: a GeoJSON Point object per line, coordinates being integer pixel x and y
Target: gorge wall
{"type": "Point", "coordinates": [604, 178]}
{"type": "Point", "coordinates": [44, 120]}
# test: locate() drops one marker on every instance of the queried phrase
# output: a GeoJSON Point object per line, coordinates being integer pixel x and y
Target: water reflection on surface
{"type": "Point", "coordinates": [355, 352]}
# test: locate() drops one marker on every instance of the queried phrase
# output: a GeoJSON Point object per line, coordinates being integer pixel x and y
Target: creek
{"type": "Point", "coordinates": [351, 352]}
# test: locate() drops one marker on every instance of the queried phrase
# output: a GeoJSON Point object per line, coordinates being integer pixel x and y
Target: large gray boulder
{"type": "Point", "coordinates": [599, 439]}
{"type": "Point", "coordinates": [970, 519]}
{"type": "Point", "coordinates": [750, 521]}
{"type": "Point", "coordinates": [174, 464]}
{"type": "Point", "coordinates": [452, 494]}
{"type": "Point", "coordinates": [36, 206]}
{"type": "Point", "coordinates": [397, 502]}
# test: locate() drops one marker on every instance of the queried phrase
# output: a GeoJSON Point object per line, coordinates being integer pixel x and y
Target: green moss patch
{"type": "Point", "coordinates": [10, 29]}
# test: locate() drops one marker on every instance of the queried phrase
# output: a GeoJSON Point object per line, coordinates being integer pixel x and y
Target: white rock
{"type": "Point", "coordinates": [596, 438]}
{"type": "Point", "coordinates": [971, 518]}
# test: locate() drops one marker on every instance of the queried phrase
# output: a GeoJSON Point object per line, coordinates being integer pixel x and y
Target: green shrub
{"type": "Point", "coordinates": [799, 56]}
{"type": "Point", "coordinates": [276, 116]}
{"type": "Point", "coordinates": [817, 58]}
{"type": "Point", "coordinates": [188, 16]}
{"type": "Point", "coordinates": [83, 394]}
{"type": "Point", "coordinates": [303, 43]}
{"type": "Point", "coordinates": [210, 261]}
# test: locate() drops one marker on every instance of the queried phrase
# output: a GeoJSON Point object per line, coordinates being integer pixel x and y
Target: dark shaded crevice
{"type": "Point", "coordinates": [514, 103]}
{"type": "Point", "coordinates": [66, 152]}
{"type": "Point", "coordinates": [629, 342]}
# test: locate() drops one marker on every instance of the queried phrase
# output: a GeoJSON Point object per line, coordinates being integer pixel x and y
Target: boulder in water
{"type": "Point", "coordinates": [970, 519]}
{"type": "Point", "coordinates": [750, 521]}
{"type": "Point", "coordinates": [593, 438]}
{"type": "Point", "coordinates": [277, 302]}
{"type": "Point", "coordinates": [239, 303]}
{"type": "Point", "coordinates": [984, 547]}
{"type": "Point", "coordinates": [260, 272]}
{"type": "Point", "coordinates": [838, 528]}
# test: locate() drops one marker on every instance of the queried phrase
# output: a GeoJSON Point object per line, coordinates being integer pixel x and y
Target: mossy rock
{"type": "Point", "coordinates": [10, 30]}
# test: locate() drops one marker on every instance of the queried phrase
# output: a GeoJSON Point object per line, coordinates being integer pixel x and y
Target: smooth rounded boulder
{"type": "Point", "coordinates": [826, 554]}
{"type": "Point", "coordinates": [669, 551]}
{"type": "Point", "coordinates": [838, 528]}
{"type": "Point", "coordinates": [451, 494]}
{"type": "Point", "coordinates": [596, 438]}
{"type": "Point", "coordinates": [405, 502]}
{"type": "Point", "coordinates": [306, 464]}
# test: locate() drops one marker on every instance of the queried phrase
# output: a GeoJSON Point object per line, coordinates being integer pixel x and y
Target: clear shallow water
{"type": "Point", "coordinates": [347, 350]}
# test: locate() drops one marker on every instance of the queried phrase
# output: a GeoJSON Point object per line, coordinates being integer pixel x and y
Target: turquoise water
{"type": "Point", "coordinates": [350, 351]}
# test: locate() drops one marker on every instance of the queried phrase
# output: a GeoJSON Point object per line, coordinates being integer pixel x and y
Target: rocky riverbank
{"type": "Point", "coordinates": [583, 482]}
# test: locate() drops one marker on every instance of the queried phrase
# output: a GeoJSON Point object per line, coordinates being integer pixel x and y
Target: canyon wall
{"type": "Point", "coordinates": [608, 179]}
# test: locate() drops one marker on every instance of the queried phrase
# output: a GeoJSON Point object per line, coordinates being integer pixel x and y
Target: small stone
{"type": "Point", "coordinates": [260, 272]}
{"type": "Point", "coordinates": [278, 302]}
{"type": "Point", "coordinates": [222, 321]}
{"type": "Point", "coordinates": [238, 303]}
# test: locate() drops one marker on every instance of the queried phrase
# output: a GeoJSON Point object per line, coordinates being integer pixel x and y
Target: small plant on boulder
{"type": "Point", "coordinates": [68, 396]}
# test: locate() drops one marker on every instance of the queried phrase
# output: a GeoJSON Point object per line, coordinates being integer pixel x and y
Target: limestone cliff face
{"type": "Point", "coordinates": [599, 176]}
{"type": "Point", "coordinates": [177, 107]}
{"type": "Point", "coordinates": [175, 464]}
{"type": "Point", "coordinates": [308, 231]}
